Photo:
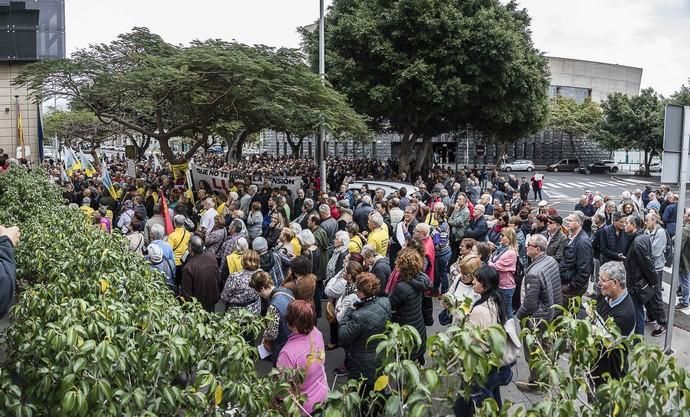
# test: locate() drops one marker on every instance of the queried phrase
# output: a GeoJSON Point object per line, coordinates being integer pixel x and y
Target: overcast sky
{"type": "Point", "coordinates": [652, 34]}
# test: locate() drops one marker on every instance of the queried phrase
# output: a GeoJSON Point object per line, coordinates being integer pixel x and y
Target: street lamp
{"type": "Point", "coordinates": [321, 145]}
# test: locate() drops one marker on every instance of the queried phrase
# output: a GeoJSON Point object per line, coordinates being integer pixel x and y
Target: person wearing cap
{"type": "Point", "coordinates": [645, 195]}
{"type": "Point", "coordinates": [556, 240]}
{"type": "Point", "coordinates": [269, 261]}
{"type": "Point", "coordinates": [543, 207]}
{"type": "Point", "coordinates": [160, 263]}
{"type": "Point", "coordinates": [126, 216]}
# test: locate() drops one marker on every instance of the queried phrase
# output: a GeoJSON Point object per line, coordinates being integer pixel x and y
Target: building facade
{"type": "Point", "coordinates": [30, 30]}
{"type": "Point", "coordinates": [573, 78]}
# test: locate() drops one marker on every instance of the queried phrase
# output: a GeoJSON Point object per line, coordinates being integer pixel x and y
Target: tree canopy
{"type": "Point", "coordinates": [425, 67]}
{"type": "Point", "coordinates": [571, 119]}
{"type": "Point", "coordinates": [633, 122]}
{"type": "Point", "coordinates": [162, 91]}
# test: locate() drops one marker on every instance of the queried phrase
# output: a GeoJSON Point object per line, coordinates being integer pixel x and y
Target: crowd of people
{"type": "Point", "coordinates": [362, 258]}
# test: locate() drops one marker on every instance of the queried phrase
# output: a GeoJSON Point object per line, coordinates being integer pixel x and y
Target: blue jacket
{"type": "Point", "coordinates": [280, 300]}
{"type": "Point", "coordinates": [8, 275]}
{"type": "Point", "coordinates": [477, 229]}
{"type": "Point", "coordinates": [669, 218]}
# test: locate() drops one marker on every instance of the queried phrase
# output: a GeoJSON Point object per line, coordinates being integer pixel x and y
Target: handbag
{"type": "Point", "coordinates": [643, 291]}
{"type": "Point", "coordinates": [444, 317]}
{"type": "Point", "coordinates": [513, 345]}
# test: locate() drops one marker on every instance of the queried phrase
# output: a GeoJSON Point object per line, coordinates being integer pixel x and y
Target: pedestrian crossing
{"type": "Point", "coordinates": [623, 183]}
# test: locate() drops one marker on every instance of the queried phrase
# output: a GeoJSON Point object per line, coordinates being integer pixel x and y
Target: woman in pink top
{"type": "Point", "coordinates": [504, 260]}
{"type": "Point", "coordinates": [305, 350]}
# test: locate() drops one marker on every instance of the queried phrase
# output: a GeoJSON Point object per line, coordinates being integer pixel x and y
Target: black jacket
{"type": "Point", "coordinates": [611, 244]}
{"type": "Point", "coordinates": [577, 263]}
{"type": "Point", "coordinates": [366, 319]}
{"type": "Point", "coordinates": [361, 217]}
{"type": "Point", "coordinates": [638, 261]}
{"type": "Point", "coordinates": [8, 275]}
{"type": "Point", "coordinates": [406, 302]}
{"type": "Point", "coordinates": [382, 270]}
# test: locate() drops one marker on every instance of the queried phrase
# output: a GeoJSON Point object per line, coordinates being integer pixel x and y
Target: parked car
{"type": "Point", "coordinates": [216, 149]}
{"type": "Point", "coordinates": [389, 187]}
{"type": "Point", "coordinates": [655, 166]}
{"type": "Point", "coordinates": [568, 164]}
{"type": "Point", "coordinates": [518, 165]}
{"type": "Point", "coordinates": [603, 166]}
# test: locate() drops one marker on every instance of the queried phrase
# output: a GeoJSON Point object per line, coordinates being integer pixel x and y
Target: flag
{"type": "Point", "coordinates": [156, 164]}
{"type": "Point", "coordinates": [63, 175]}
{"type": "Point", "coordinates": [20, 130]}
{"type": "Point", "coordinates": [71, 162]}
{"type": "Point", "coordinates": [39, 117]}
{"type": "Point", "coordinates": [107, 181]}
{"type": "Point", "coordinates": [86, 165]}
{"type": "Point", "coordinates": [166, 214]}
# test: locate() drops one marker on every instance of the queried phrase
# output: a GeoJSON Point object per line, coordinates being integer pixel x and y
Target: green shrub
{"type": "Point", "coordinates": [96, 332]}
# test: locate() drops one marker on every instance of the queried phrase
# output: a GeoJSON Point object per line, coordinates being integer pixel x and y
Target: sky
{"type": "Point", "coordinates": [651, 34]}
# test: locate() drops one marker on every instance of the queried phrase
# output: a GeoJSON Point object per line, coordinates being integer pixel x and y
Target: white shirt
{"type": "Point", "coordinates": [208, 219]}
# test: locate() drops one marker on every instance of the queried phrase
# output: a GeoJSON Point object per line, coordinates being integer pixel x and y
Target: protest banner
{"type": "Point", "coordinates": [179, 171]}
{"type": "Point", "coordinates": [222, 180]}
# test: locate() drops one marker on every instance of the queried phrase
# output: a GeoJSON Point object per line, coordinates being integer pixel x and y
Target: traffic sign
{"type": "Point", "coordinates": [480, 149]}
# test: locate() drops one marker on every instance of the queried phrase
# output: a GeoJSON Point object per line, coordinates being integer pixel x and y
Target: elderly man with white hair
{"type": "Point", "coordinates": [478, 228]}
{"type": "Point", "coordinates": [328, 223]}
{"type": "Point", "coordinates": [378, 235]}
{"type": "Point", "coordinates": [209, 217]}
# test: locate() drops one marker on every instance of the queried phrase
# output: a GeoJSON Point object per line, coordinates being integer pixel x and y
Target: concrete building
{"type": "Point", "coordinates": [30, 30]}
{"type": "Point", "coordinates": [573, 78]}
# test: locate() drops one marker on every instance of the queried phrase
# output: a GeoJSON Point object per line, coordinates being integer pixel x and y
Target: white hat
{"type": "Point", "coordinates": [543, 203]}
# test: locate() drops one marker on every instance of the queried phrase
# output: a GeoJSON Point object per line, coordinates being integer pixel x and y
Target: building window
{"type": "Point", "coordinates": [578, 93]}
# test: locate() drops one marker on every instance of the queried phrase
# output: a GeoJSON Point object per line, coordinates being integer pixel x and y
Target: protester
{"type": "Point", "coordinates": [279, 298]}
{"type": "Point", "coordinates": [488, 310]}
{"type": "Point", "coordinates": [9, 237]}
{"type": "Point", "coordinates": [200, 276]}
{"type": "Point", "coordinates": [367, 317]}
{"type": "Point", "coordinates": [237, 294]}
{"type": "Point", "coordinates": [304, 350]}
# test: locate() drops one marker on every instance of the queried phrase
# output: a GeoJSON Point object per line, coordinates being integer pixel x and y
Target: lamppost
{"type": "Point", "coordinates": [321, 143]}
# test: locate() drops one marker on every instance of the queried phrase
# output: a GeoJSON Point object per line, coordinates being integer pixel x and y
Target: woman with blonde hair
{"type": "Point", "coordinates": [504, 261]}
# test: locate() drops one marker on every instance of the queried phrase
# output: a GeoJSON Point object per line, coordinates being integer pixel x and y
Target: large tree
{"type": "Point", "coordinates": [681, 97]}
{"type": "Point", "coordinates": [635, 122]}
{"type": "Point", "coordinates": [572, 120]}
{"type": "Point", "coordinates": [76, 127]}
{"type": "Point", "coordinates": [424, 67]}
{"type": "Point", "coordinates": [162, 91]}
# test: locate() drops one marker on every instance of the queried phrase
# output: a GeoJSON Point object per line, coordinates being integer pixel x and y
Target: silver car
{"type": "Point", "coordinates": [518, 165]}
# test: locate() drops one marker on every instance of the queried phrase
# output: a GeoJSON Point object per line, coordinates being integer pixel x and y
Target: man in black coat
{"type": "Point", "coordinates": [361, 215]}
{"type": "Point", "coordinates": [639, 267]}
{"type": "Point", "coordinates": [615, 302]}
{"type": "Point", "coordinates": [9, 236]}
{"type": "Point", "coordinates": [576, 265]}
{"type": "Point", "coordinates": [614, 242]}
{"type": "Point", "coordinates": [200, 276]}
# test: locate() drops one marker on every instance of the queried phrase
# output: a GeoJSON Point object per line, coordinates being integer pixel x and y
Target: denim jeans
{"type": "Point", "coordinates": [507, 294]}
{"type": "Point", "coordinates": [684, 287]}
{"type": "Point", "coordinates": [441, 268]}
{"type": "Point", "coordinates": [492, 388]}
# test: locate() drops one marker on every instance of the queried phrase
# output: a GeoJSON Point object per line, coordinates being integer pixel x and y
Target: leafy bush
{"type": "Point", "coordinates": [96, 332]}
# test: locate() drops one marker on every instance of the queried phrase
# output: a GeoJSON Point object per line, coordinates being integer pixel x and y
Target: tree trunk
{"type": "Point", "coordinates": [647, 162]}
{"type": "Point", "coordinates": [235, 146]}
{"type": "Point", "coordinates": [140, 148]}
{"type": "Point", "coordinates": [406, 144]}
{"type": "Point", "coordinates": [294, 146]}
{"type": "Point", "coordinates": [424, 154]}
{"type": "Point", "coordinates": [167, 152]}
{"type": "Point", "coordinates": [96, 161]}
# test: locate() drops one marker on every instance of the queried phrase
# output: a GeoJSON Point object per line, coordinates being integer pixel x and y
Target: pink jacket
{"type": "Point", "coordinates": [303, 349]}
{"type": "Point", "coordinates": [506, 265]}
